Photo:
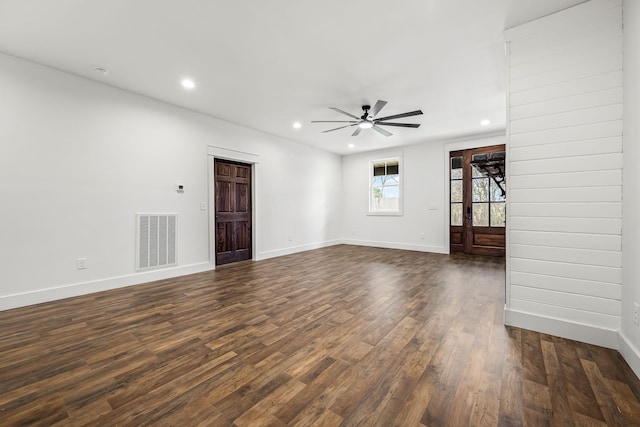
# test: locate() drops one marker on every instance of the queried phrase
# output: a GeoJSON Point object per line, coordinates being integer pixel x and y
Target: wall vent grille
{"type": "Point", "coordinates": [156, 241]}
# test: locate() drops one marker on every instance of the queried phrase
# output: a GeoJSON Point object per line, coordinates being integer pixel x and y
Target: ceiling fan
{"type": "Point", "coordinates": [368, 120]}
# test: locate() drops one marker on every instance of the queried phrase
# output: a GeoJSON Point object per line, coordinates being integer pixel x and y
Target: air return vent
{"type": "Point", "coordinates": [157, 237]}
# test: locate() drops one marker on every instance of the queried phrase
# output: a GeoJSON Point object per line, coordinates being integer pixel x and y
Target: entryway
{"type": "Point", "coordinates": [478, 201]}
{"type": "Point", "coordinates": [232, 195]}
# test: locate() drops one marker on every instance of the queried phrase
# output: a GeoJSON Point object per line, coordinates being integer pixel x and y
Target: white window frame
{"type": "Point", "coordinates": [395, 212]}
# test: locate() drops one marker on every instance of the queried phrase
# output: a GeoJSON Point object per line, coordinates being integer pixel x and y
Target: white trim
{"type": "Point", "coordinates": [211, 209]}
{"type": "Point", "coordinates": [630, 353]}
{"type": "Point", "coordinates": [470, 144]}
{"type": "Point", "coordinates": [507, 179]}
{"type": "Point", "coordinates": [214, 153]}
{"type": "Point", "coordinates": [396, 245]}
{"type": "Point", "coordinates": [8, 302]}
{"type": "Point", "coordinates": [295, 249]}
{"type": "Point", "coordinates": [233, 155]}
{"type": "Point", "coordinates": [562, 328]}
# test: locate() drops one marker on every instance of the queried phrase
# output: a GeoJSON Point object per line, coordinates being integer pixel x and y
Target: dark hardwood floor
{"type": "Point", "coordinates": [338, 336]}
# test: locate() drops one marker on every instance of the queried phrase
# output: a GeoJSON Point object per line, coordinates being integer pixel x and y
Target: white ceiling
{"type": "Point", "coordinates": [265, 64]}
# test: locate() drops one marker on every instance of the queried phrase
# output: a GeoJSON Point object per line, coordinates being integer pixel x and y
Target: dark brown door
{"type": "Point", "coordinates": [233, 211]}
{"type": "Point", "coordinates": [478, 201]}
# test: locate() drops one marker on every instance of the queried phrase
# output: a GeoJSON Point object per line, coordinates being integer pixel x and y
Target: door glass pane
{"type": "Point", "coordinates": [481, 190]}
{"type": "Point", "coordinates": [456, 191]}
{"type": "Point", "coordinates": [498, 214]}
{"type": "Point", "coordinates": [456, 168]}
{"type": "Point", "coordinates": [481, 214]}
{"type": "Point", "coordinates": [476, 172]}
{"type": "Point", "coordinates": [456, 213]}
{"type": "Point", "coordinates": [495, 192]}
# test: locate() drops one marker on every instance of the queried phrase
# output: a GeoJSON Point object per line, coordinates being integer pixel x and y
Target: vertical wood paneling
{"type": "Point", "coordinates": [565, 164]}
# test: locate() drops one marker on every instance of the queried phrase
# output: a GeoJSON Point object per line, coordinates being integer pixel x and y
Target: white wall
{"type": "Point", "coordinates": [565, 173]}
{"type": "Point", "coordinates": [79, 159]}
{"type": "Point", "coordinates": [630, 342]}
{"type": "Point", "coordinates": [423, 225]}
{"type": "Point", "coordinates": [422, 174]}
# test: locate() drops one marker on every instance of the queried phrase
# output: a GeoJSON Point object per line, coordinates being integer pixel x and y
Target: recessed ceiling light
{"type": "Point", "coordinates": [101, 70]}
{"type": "Point", "coordinates": [485, 122]}
{"type": "Point", "coordinates": [189, 84]}
{"type": "Point", "coordinates": [365, 124]}
{"type": "Point", "coordinates": [297, 125]}
{"type": "Point", "coordinates": [351, 145]}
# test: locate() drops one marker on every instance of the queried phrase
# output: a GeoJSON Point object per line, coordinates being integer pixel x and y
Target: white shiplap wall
{"type": "Point", "coordinates": [565, 172]}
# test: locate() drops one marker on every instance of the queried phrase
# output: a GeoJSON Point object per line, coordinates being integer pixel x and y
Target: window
{"type": "Point", "coordinates": [456, 191]}
{"type": "Point", "coordinates": [384, 188]}
{"type": "Point", "coordinates": [488, 197]}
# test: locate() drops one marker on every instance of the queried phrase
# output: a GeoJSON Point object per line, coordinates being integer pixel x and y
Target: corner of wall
{"type": "Point", "coordinates": [395, 245]}
{"type": "Point", "coordinates": [295, 249]}
{"type": "Point", "coordinates": [630, 352]}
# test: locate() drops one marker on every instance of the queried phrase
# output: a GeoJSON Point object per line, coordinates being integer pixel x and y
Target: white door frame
{"type": "Point", "coordinates": [214, 153]}
{"type": "Point", "coordinates": [456, 146]}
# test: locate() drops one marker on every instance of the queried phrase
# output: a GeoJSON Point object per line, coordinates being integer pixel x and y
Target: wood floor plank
{"type": "Point", "coordinates": [512, 395]}
{"type": "Point", "coordinates": [343, 335]}
{"type": "Point", "coordinates": [581, 396]}
{"type": "Point", "coordinates": [607, 404]}
{"type": "Point", "coordinates": [557, 387]}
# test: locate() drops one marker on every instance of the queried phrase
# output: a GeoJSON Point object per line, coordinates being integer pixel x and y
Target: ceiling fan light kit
{"type": "Point", "coordinates": [368, 120]}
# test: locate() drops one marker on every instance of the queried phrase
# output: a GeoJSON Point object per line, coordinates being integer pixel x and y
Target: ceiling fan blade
{"type": "Point", "coordinates": [404, 125]}
{"type": "Point", "coordinates": [376, 108]}
{"type": "Point", "coordinates": [341, 127]}
{"type": "Point", "coordinates": [382, 131]}
{"type": "Point", "coordinates": [357, 131]}
{"type": "Point", "coordinates": [398, 116]}
{"type": "Point", "coordinates": [334, 121]}
{"type": "Point", "coordinates": [344, 112]}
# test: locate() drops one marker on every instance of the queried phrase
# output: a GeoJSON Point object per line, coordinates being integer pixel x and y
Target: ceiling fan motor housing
{"type": "Point", "coordinates": [366, 109]}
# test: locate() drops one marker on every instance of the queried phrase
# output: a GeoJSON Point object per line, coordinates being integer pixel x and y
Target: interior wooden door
{"type": "Point", "coordinates": [478, 201]}
{"type": "Point", "coordinates": [232, 211]}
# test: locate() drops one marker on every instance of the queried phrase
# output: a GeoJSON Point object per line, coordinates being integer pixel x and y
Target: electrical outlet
{"type": "Point", "coordinates": [421, 236]}
{"type": "Point", "coordinates": [636, 308]}
{"type": "Point", "coordinates": [290, 238]}
{"type": "Point", "coordinates": [81, 263]}
{"type": "Point", "coordinates": [203, 206]}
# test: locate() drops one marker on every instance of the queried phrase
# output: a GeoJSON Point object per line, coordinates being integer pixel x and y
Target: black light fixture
{"type": "Point", "coordinates": [491, 165]}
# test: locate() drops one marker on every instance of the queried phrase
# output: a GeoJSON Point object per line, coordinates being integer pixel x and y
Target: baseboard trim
{"type": "Point", "coordinates": [295, 249]}
{"type": "Point", "coordinates": [562, 328]}
{"type": "Point", "coordinates": [629, 352]}
{"type": "Point", "coordinates": [8, 302]}
{"type": "Point", "coordinates": [395, 245]}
